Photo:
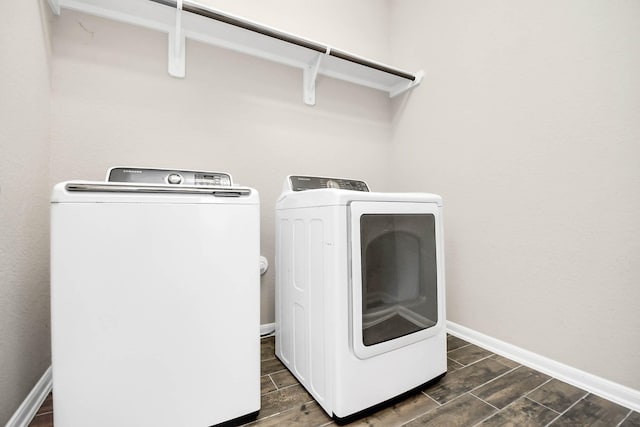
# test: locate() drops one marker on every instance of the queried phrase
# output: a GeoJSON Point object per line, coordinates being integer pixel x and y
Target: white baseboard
{"type": "Point", "coordinates": [609, 390]}
{"type": "Point", "coordinates": [29, 407]}
{"type": "Point", "coordinates": [267, 329]}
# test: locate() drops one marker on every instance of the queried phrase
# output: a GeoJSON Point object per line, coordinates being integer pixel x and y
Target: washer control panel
{"type": "Point", "coordinates": [302, 183]}
{"type": "Point", "coordinates": [169, 176]}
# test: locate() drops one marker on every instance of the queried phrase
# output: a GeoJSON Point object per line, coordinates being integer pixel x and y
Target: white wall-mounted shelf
{"type": "Point", "coordinates": [181, 19]}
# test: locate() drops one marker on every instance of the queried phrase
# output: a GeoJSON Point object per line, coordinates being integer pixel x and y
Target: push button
{"type": "Point", "coordinates": [174, 178]}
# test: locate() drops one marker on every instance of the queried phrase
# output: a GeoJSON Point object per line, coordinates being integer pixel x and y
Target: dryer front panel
{"type": "Point", "coordinates": [396, 265]}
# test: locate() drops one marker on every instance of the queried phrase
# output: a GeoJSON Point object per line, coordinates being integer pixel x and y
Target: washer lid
{"type": "Point", "coordinates": [121, 192]}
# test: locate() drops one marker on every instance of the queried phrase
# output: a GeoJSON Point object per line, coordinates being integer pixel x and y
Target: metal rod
{"type": "Point", "coordinates": [371, 64]}
{"type": "Point", "coordinates": [269, 32]}
{"type": "Point", "coordinates": [265, 31]}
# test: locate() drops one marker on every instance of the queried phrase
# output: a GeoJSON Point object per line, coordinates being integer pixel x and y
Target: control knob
{"type": "Point", "coordinates": [332, 184]}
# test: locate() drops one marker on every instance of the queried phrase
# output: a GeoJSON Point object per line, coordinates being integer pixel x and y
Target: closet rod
{"type": "Point", "coordinates": [365, 62]}
{"type": "Point", "coordinates": [270, 32]}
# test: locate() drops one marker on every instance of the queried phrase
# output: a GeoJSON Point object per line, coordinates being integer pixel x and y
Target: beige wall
{"type": "Point", "coordinates": [113, 103]}
{"type": "Point", "coordinates": [528, 124]}
{"type": "Point", "coordinates": [24, 208]}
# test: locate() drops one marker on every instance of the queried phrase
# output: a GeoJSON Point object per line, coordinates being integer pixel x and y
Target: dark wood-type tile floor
{"type": "Point", "coordinates": [480, 389]}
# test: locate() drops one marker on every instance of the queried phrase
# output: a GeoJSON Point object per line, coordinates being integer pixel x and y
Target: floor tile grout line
{"type": "Point", "coordinates": [567, 410]}
{"type": "Point", "coordinates": [541, 404]}
{"type": "Point", "coordinates": [527, 396]}
{"type": "Point", "coordinates": [493, 406]}
{"type": "Point", "coordinates": [490, 415]}
{"type": "Point", "coordinates": [541, 385]}
{"type": "Point", "coordinates": [485, 358]}
{"type": "Point", "coordinates": [276, 372]}
{"type": "Point", "coordinates": [283, 388]}
{"type": "Point", "coordinates": [264, 418]}
{"type": "Point", "coordinates": [273, 382]}
{"type": "Point", "coordinates": [493, 379]}
{"type": "Point", "coordinates": [458, 348]}
{"type": "Point", "coordinates": [425, 412]}
{"type": "Point", "coordinates": [485, 419]}
{"type": "Point", "coordinates": [457, 363]}
{"type": "Point", "coordinates": [421, 415]}
{"type": "Point", "coordinates": [452, 400]}
{"type": "Point", "coordinates": [449, 357]}
{"type": "Point", "coordinates": [504, 364]}
{"type": "Point", "coordinates": [625, 418]}
{"type": "Point", "coordinates": [425, 393]}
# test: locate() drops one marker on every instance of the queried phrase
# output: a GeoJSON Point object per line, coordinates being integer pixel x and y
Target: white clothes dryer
{"type": "Point", "coordinates": [360, 292]}
{"type": "Point", "coordinates": [155, 300]}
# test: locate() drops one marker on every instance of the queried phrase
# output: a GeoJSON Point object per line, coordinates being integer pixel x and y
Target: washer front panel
{"type": "Point", "coordinates": [137, 290]}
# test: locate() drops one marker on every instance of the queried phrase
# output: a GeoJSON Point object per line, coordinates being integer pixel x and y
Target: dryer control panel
{"type": "Point", "coordinates": [168, 176]}
{"type": "Point", "coordinates": [302, 183]}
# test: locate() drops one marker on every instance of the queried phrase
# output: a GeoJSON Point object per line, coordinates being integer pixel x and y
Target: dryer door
{"type": "Point", "coordinates": [396, 269]}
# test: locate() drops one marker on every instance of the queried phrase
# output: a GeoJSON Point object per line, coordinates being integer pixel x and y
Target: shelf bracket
{"type": "Point", "coordinates": [177, 56]}
{"type": "Point", "coordinates": [309, 75]}
{"type": "Point", "coordinates": [405, 86]}
{"type": "Point", "coordinates": [55, 6]}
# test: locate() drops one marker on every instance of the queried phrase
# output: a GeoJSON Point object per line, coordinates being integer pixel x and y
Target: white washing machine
{"type": "Point", "coordinates": [155, 300]}
{"type": "Point", "coordinates": [360, 292]}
